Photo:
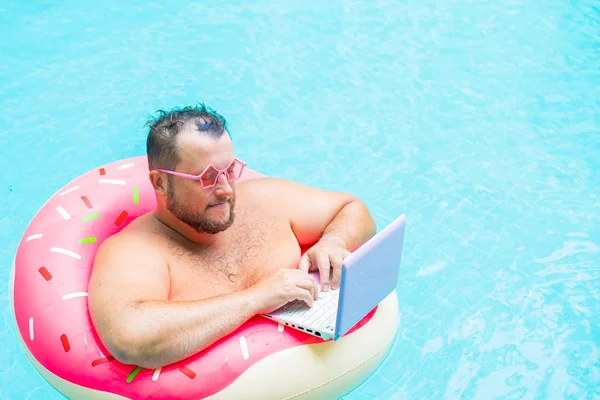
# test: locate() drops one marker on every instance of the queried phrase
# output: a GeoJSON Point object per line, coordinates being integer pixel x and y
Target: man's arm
{"type": "Point", "coordinates": [316, 214]}
{"type": "Point", "coordinates": [131, 311]}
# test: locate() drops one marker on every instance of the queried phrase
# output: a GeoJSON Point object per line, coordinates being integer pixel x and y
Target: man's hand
{"type": "Point", "coordinates": [327, 254]}
{"type": "Point", "coordinates": [283, 286]}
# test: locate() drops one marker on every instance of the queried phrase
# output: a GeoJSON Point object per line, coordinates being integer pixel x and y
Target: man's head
{"type": "Point", "coordinates": [187, 140]}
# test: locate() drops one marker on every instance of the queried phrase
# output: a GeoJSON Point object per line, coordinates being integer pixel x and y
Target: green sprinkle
{"type": "Point", "coordinates": [91, 216]}
{"type": "Point", "coordinates": [136, 195]}
{"type": "Point", "coordinates": [87, 240]}
{"type": "Point", "coordinates": [133, 374]}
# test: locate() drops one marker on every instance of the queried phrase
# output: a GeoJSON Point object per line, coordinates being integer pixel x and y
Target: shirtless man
{"type": "Point", "coordinates": [215, 252]}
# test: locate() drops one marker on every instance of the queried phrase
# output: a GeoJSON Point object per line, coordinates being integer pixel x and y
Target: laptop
{"type": "Point", "coordinates": [369, 274]}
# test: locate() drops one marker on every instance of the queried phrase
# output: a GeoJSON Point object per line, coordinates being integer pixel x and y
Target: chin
{"type": "Point", "coordinates": [216, 226]}
{"type": "Point", "coordinates": [214, 229]}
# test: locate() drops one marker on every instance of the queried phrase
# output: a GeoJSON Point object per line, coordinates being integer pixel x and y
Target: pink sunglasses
{"type": "Point", "coordinates": [210, 176]}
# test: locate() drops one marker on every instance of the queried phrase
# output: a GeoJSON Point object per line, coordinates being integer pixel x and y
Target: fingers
{"type": "Point", "coordinates": [336, 264]}
{"type": "Point", "coordinates": [322, 261]}
{"type": "Point", "coordinates": [304, 263]}
{"type": "Point", "coordinates": [305, 296]}
{"type": "Point", "coordinates": [310, 285]}
{"type": "Point", "coordinates": [307, 291]}
{"type": "Point", "coordinates": [325, 260]}
{"type": "Point", "coordinates": [315, 289]}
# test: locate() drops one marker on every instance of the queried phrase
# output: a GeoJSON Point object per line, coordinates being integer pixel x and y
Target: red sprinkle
{"type": "Point", "coordinates": [121, 218]}
{"type": "Point", "coordinates": [102, 171]}
{"type": "Point", "coordinates": [188, 372]}
{"type": "Point", "coordinates": [86, 201]}
{"type": "Point", "coordinates": [65, 342]}
{"type": "Point", "coordinates": [102, 361]}
{"type": "Point", "coordinates": [47, 276]}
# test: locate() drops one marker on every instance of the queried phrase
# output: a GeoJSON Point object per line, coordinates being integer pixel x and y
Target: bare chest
{"type": "Point", "coordinates": [253, 248]}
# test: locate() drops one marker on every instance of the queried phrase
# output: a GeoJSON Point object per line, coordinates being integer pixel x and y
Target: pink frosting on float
{"type": "Point", "coordinates": [52, 269]}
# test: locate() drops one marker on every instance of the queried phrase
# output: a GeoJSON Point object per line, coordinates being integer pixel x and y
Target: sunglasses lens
{"type": "Point", "coordinates": [233, 172]}
{"type": "Point", "coordinates": [209, 177]}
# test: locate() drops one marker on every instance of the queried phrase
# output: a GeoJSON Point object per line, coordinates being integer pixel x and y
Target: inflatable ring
{"type": "Point", "coordinates": [260, 360]}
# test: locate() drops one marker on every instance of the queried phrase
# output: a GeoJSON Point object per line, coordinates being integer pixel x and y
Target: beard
{"type": "Point", "coordinates": [197, 220]}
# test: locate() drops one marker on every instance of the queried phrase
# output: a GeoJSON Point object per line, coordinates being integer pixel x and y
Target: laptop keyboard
{"type": "Point", "coordinates": [321, 315]}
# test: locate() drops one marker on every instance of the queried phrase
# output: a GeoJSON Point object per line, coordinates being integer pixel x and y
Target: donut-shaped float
{"type": "Point", "coordinates": [260, 360]}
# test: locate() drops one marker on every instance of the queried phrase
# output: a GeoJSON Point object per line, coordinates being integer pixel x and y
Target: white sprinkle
{"type": "Point", "coordinates": [65, 252]}
{"type": "Point", "coordinates": [244, 347]}
{"type": "Point", "coordinates": [73, 295]}
{"type": "Point", "coordinates": [69, 190]}
{"type": "Point", "coordinates": [112, 181]}
{"type": "Point", "coordinates": [125, 166]}
{"type": "Point", "coordinates": [31, 328]}
{"type": "Point", "coordinates": [63, 212]}
{"type": "Point", "coordinates": [156, 374]}
{"type": "Point", "coordinates": [32, 237]}
{"type": "Point", "coordinates": [280, 328]}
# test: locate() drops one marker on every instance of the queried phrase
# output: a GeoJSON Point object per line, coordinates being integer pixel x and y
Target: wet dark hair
{"type": "Point", "coordinates": [161, 145]}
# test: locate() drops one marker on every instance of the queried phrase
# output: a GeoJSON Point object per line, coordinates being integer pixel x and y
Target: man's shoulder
{"type": "Point", "coordinates": [135, 238]}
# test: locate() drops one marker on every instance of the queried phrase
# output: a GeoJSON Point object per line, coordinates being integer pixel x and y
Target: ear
{"type": "Point", "coordinates": [159, 182]}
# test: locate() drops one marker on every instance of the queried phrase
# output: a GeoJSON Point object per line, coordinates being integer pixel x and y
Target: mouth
{"type": "Point", "coordinates": [218, 205]}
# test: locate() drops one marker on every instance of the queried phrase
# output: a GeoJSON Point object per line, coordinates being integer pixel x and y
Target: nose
{"type": "Point", "coordinates": [223, 185]}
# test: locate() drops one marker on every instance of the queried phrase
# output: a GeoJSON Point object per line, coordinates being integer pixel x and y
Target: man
{"type": "Point", "coordinates": [215, 252]}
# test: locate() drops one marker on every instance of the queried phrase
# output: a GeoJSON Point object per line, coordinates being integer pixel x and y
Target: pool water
{"type": "Point", "coordinates": [478, 119]}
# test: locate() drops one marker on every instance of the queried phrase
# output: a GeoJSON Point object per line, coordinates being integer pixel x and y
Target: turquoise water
{"type": "Point", "coordinates": [480, 120]}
